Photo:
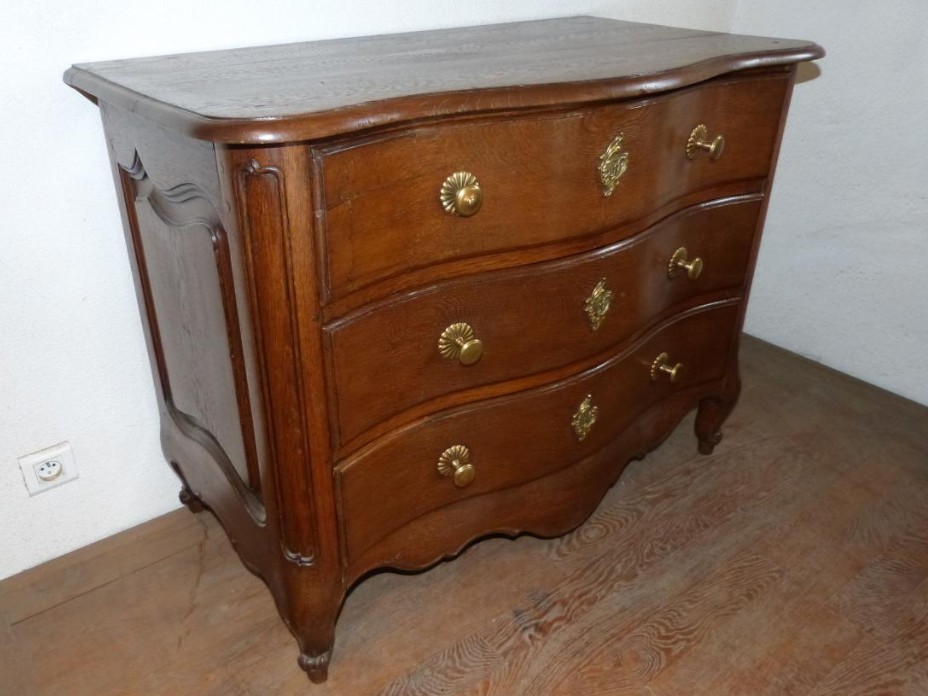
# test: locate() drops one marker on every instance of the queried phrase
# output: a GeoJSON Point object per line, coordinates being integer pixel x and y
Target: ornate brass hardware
{"type": "Point", "coordinates": [699, 140]}
{"type": "Point", "coordinates": [461, 194]}
{"type": "Point", "coordinates": [678, 262]}
{"type": "Point", "coordinates": [613, 163]}
{"type": "Point", "coordinates": [597, 304]}
{"type": "Point", "coordinates": [459, 342]}
{"type": "Point", "coordinates": [454, 463]}
{"type": "Point", "coordinates": [584, 418]}
{"type": "Point", "coordinates": [661, 365]}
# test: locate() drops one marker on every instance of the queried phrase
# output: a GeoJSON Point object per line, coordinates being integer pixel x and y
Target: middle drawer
{"type": "Point", "coordinates": [515, 323]}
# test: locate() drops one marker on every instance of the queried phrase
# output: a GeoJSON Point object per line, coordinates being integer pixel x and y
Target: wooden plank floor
{"type": "Point", "coordinates": [792, 561]}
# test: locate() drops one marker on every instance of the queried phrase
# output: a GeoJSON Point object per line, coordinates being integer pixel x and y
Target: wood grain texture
{"type": "Point", "coordinates": [790, 562]}
{"type": "Point", "coordinates": [311, 90]}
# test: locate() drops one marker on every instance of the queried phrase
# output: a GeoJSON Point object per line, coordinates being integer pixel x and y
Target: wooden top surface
{"type": "Point", "coordinates": [310, 90]}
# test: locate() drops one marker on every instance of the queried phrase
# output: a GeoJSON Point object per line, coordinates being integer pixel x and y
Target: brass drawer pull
{"type": "Point", "coordinates": [678, 262]}
{"type": "Point", "coordinates": [613, 163]}
{"type": "Point", "coordinates": [699, 140]}
{"type": "Point", "coordinates": [459, 342]}
{"type": "Point", "coordinates": [461, 194]}
{"type": "Point", "coordinates": [454, 463]}
{"type": "Point", "coordinates": [597, 304]}
{"type": "Point", "coordinates": [661, 365]}
{"type": "Point", "coordinates": [584, 418]}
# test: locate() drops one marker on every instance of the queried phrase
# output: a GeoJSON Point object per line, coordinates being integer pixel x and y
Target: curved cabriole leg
{"type": "Point", "coordinates": [187, 497]}
{"type": "Point", "coordinates": [312, 621]}
{"type": "Point", "coordinates": [712, 413]}
{"type": "Point", "coordinates": [316, 638]}
{"type": "Point", "coordinates": [714, 410]}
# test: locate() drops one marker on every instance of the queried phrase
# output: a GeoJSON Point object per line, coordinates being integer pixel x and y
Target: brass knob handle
{"type": "Point", "coordinates": [679, 262]}
{"type": "Point", "coordinates": [461, 194]}
{"type": "Point", "coordinates": [699, 140]}
{"type": "Point", "coordinates": [459, 342]}
{"type": "Point", "coordinates": [661, 365]}
{"type": "Point", "coordinates": [454, 463]}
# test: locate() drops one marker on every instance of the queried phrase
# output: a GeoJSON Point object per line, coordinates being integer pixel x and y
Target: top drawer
{"type": "Point", "coordinates": [539, 176]}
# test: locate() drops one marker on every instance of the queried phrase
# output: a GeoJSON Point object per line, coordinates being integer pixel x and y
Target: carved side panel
{"type": "Point", "coordinates": [186, 277]}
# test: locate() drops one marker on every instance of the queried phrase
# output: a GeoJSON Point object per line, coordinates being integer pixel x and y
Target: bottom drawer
{"type": "Point", "coordinates": [500, 443]}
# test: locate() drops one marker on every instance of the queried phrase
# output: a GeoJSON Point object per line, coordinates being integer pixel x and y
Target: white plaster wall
{"type": "Point", "coordinates": [843, 269]}
{"type": "Point", "coordinates": [72, 356]}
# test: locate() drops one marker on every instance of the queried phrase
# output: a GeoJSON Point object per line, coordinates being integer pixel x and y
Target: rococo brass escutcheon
{"type": "Point", "coordinates": [584, 418]}
{"type": "Point", "coordinates": [597, 304]}
{"type": "Point", "coordinates": [459, 342]}
{"type": "Point", "coordinates": [454, 463]}
{"type": "Point", "coordinates": [613, 163]}
{"type": "Point", "coordinates": [461, 194]}
{"type": "Point", "coordinates": [699, 140]}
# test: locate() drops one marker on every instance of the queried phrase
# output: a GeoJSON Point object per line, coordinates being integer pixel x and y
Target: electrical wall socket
{"type": "Point", "coordinates": [48, 468]}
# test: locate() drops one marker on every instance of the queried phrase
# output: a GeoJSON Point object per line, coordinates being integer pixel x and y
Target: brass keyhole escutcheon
{"type": "Point", "coordinates": [584, 417]}
{"type": "Point", "coordinates": [662, 366]}
{"type": "Point", "coordinates": [699, 140]}
{"type": "Point", "coordinates": [613, 163]}
{"type": "Point", "coordinates": [461, 194]}
{"type": "Point", "coordinates": [597, 304]}
{"type": "Point", "coordinates": [459, 342]}
{"type": "Point", "coordinates": [679, 262]}
{"type": "Point", "coordinates": [454, 463]}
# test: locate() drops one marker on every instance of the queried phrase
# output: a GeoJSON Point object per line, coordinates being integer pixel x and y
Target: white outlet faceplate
{"type": "Point", "coordinates": [48, 468]}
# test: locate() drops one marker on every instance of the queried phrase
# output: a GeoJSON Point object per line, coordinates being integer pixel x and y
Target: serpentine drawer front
{"type": "Point", "coordinates": [394, 483]}
{"type": "Point", "coordinates": [539, 176]}
{"type": "Point", "coordinates": [401, 292]}
{"type": "Point", "coordinates": [593, 301]}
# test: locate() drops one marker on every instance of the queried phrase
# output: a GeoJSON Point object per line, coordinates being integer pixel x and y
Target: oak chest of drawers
{"type": "Point", "coordinates": [403, 292]}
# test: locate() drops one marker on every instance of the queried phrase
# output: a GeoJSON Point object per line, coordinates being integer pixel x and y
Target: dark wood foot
{"type": "Point", "coordinates": [714, 411]}
{"type": "Point", "coordinates": [316, 666]}
{"type": "Point", "coordinates": [193, 503]}
{"type": "Point", "coordinates": [187, 496]}
{"type": "Point", "coordinates": [313, 617]}
{"type": "Point", "coordinates": [707, 444]}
